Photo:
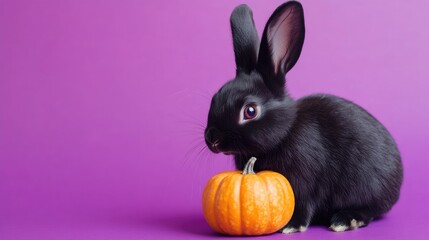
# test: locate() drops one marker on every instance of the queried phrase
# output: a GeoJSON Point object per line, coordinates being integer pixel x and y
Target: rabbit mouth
{"type": "Point", "coordinates": [215, 148]}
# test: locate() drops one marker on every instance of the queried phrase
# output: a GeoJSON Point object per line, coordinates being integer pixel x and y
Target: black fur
{"type": "Point", "coordinates": [246, 40]}
{"type": "Point", "coordinates": [341, 162]}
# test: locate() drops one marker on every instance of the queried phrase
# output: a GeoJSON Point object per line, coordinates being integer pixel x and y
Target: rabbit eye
{"type": "Point", "coordinates": [249, 112]}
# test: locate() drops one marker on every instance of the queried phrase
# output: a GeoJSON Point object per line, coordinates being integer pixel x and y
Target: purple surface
{"type": "Point", "coordinates": [103, 103]}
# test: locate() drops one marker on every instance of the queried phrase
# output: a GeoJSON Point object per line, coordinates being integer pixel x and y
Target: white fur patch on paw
{"type": "Point", "coordinates": [338, 228]}
{"type": "Point", "coordinates": [302, 228]}
{"type": "Point", "coordinates": [354, 224]}
{"type": "Point", "coordinates": [288, 230]}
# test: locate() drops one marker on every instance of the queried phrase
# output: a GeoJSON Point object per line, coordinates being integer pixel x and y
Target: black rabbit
{"type": "Point", "coordinates": [343, 165]}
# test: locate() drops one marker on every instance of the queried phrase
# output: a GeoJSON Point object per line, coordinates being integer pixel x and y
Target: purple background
{"type": "Point", "coordinates": [103, 104]}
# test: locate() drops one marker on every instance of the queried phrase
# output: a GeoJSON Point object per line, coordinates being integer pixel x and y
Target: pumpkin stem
{"type": "Point", "coordinates": [248, 169]}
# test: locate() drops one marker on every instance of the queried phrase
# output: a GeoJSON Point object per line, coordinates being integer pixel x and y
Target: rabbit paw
{"type": "Point", "coordinates": [348, 220]}
{"type": "Point", "coordinates": [290, 229]}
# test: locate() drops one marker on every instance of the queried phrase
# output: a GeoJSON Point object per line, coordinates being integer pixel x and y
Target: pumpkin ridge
{"type": "Point", "coordinates": [239, 204]}
{"type": "Point", "coordinates": [231, 203]}
{"type": "Point", "coordinates": [283, 195]}
{"type": "Point", "coordinates": [226, 184]}
{"type": "Point", "coordinates": [241, 210]}
{"type": "Point", "coordinates": [214, 206]}
{"type": "Point", "coordinates": [245, 194]}
{"type": "Point", "coordinates": [242, 206]}
{"type": "Point", "coordinates": [208, 201]}
{"type": "Point", "coordinates": [267, 190]}
{"type": "Point", "coordinates": [286, 196]}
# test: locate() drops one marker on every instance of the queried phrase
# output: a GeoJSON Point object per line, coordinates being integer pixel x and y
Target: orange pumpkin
{"type": "Point", "coordinates": [245, 203]}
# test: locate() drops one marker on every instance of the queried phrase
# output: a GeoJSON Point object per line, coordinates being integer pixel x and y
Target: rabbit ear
{"type": "Point", "coordinates": [281, 44]}
{"type": "Point", "coordinates": [245, 38]}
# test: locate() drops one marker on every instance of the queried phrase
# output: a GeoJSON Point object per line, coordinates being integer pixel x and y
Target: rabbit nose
{"type": "Point", "coordinates": [213, 137]}
{"type": "Point", "coordinates": [216, 143]}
